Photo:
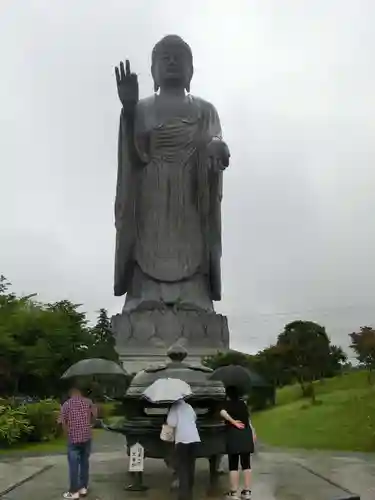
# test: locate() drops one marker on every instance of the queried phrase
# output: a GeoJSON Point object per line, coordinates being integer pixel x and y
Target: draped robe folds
{"type": "Point", "coordinates": [168, 208]}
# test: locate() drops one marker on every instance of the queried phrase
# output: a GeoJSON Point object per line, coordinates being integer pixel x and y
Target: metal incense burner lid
{"type": "Point", "coordinates": [197, 376]}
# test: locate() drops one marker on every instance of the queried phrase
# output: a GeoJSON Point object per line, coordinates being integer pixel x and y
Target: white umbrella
{"type": "Point", "coordinates": [167, 390]}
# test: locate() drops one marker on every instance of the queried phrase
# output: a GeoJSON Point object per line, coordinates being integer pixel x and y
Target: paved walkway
{"type": "Point", "coordinates": [277, 476]}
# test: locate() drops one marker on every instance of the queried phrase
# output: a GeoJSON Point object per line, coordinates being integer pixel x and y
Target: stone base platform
{"type": "Point", "coordinates": [135, 359]}
{"type": "Point", "coordinates": [144, 336]}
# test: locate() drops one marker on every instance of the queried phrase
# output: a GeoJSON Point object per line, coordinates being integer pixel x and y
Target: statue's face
{"type": "Point", "coordinates": [172, 66]}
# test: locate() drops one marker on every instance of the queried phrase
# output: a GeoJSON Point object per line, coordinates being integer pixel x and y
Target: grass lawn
{"type": "Point", "coordinates": [49, 447]}
{"type": "Point", "coordinates": [344, 419]}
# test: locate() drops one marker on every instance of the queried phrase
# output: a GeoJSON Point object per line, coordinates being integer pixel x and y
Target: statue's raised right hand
{"type": "Point", "coordinates": [127, 87]}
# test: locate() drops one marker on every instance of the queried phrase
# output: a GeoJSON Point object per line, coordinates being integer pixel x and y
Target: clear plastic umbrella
{"type": "Point", "coordinates": [167, 390]}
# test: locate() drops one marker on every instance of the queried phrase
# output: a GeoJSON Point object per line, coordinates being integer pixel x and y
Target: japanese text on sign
{"type": "Point", "coordinates": [136, 458]}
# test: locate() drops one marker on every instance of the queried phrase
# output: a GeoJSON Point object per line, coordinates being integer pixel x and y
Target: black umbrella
{"type": "Point", "coordinates": [94, 366]}
{"type": "Point", "coordinates": [238, 376]}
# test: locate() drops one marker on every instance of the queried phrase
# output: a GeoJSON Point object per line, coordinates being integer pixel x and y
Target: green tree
{"type": "Point", "coordinates": [38, 342]}
{"type": "Point", "coordinates": [363, 344]}
{"type": "Point", "coordinates": [263, 391]}
{"type": "Point", "coordinates": [4, 284]}
{"type": "Point", "coordinates": [227, 358]}
{"type": "Point", "coordinates": [103, 339]}
{"type": "Point", "coordinates": [337, 361]}
{"type": "Point", "coordinates": [10, 309]}
{"type": "Point", "coordinates": [306, 352]}
{"type": "Point", "coordinates": [271, 364]}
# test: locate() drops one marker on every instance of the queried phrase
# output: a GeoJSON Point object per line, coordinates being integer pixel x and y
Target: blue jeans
{"type": "Point", "coordinates": [78, 461]}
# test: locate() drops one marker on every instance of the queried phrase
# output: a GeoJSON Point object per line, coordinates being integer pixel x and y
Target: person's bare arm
{"type": "Point", "coordinates": [253, 430]}
{"type": "Point", "coordinates": [94, 412]}
{"type": "Point", "coordinates": [62, 419]}
{"type": "Point", "coordinates": [172, 418]}
{"type": "Point", "coordinates": [228, 418]}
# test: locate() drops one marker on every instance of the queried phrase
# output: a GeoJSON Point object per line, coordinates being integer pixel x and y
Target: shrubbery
{"type": "Point", "coordinates": [43, 420]}
{"type": "Point", "coordinates": [14, 425]}
{"type": "Point", "coordinates": [105, 411]}
{"type": "Point", "coordinates": [261, 398]}
{"type": "Point", "coordinates": [34, 422]}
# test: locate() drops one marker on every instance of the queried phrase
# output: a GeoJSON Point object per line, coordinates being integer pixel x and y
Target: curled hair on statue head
{"type": "Point", "coordinates": [171, 40]}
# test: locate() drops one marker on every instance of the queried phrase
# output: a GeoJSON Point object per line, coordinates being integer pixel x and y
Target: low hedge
{"type": "Point", "coordinates": [105, 411]}
{"type": "Point", "coordinates": [43, 417]}
{"type": "Point", "coordinates": [35, 422]}
{"type": "Point", "coordinates": [14, 425]}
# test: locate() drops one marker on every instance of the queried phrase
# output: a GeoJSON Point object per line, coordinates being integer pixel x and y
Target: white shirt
{"type": "Point", "coordinates": [182, 417]}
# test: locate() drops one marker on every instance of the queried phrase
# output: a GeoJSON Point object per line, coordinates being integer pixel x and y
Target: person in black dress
{"type": "Point", "coordinates": [239, 441]}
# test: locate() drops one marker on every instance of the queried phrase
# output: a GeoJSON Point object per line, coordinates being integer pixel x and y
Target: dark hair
{"type": "Point", "coordinates": [77, 385]}
{"type": "Point", "coordinates": [232, 393]}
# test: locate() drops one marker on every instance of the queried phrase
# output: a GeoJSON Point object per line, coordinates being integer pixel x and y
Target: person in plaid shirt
{"type": "Point", "coordinates": [76, 418]}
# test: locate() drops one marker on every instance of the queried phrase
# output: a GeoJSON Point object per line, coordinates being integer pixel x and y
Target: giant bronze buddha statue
{"type": "Point", "coordinates": [171, 158]}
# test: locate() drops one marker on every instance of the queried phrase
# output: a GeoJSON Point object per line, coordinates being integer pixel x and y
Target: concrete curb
{"type": "Point", "coordinates": [352, 496]}
{"type": "Point", "coordinates": [25, 480]}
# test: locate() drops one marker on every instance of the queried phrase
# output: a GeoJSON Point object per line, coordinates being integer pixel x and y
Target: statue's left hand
{"type": "Point", "coordinates": [218, 154]}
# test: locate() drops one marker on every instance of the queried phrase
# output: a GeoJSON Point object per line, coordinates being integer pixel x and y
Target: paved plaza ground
{"type": "Point", "coordinates": [277, 476]}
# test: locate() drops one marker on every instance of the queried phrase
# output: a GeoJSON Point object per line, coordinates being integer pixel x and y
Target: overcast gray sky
{"type": "Point", "coordinates": [293, 81]}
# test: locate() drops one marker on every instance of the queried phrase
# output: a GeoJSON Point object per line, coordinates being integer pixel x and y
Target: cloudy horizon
{"type": "Point", "coordinates": [293, 84]}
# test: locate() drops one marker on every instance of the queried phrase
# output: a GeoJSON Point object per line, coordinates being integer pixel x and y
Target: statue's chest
{"type": "Point", "coordinates": [167, 112]}
{"type": "Point", "coordinates": [168, 127]}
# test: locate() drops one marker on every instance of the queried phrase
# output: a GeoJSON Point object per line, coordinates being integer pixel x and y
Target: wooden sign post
{"type": "Point", "coordinates": [136, 458]}
{"type": "Point", "coordinates": [136, 466]}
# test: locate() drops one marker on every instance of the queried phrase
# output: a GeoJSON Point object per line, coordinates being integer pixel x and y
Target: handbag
{"type": "Point", "coordinates": [167, 433]}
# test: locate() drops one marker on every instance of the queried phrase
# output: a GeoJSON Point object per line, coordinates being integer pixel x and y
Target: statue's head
{"type": "Point", "coordinates": [172, 63]}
